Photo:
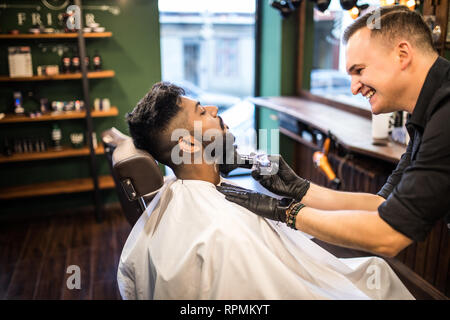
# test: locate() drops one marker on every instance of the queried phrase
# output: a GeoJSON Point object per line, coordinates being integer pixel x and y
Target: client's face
{"type": "Point", "coordinates": [217, 142]}
{"type": "Point", "coordinates": [206, 116]}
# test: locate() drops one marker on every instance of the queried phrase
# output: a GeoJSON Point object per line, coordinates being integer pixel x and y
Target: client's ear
{"type": "Point", "coordinates": [188, 144]}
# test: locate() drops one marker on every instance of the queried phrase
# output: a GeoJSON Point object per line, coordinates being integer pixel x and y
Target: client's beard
{"type": "Point", "coordinates": [226, 156]}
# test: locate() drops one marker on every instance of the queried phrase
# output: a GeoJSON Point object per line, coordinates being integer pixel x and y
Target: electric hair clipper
{"type": "Point", "coordinates": [259, 162]}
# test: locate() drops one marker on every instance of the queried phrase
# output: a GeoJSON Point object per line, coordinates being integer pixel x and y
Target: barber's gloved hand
{"type": "Point", "coordinates": [258, 203]}
{"type": "Point", "coordinates": [285, 182]}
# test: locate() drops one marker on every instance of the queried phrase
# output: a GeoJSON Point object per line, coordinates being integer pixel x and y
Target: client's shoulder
{"type": "Point", "coordinates": [200, 201]}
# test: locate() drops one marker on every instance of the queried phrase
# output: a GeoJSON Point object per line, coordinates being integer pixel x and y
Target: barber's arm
{"type": "Point", "coordinates": [287, 183]}
{"type": "Point", "coordinates": [363, 230]}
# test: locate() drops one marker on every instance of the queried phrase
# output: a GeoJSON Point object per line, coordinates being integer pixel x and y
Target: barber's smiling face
{"type": "Point", "coordinates": [374, 70]}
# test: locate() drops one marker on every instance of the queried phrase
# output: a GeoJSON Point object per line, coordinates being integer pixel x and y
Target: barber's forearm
{"type": "Point", "coordinates": [328, 199]}
{"type": "Point", "coordinates": [363, 230]}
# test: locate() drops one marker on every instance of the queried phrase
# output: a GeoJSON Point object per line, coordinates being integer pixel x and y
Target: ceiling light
{"type": "Point", "coordinates": [322, 5]}
{"type": "Point", "coordinates": [284, 6]}
{"type": "Point", "coordinates": [348, 4]}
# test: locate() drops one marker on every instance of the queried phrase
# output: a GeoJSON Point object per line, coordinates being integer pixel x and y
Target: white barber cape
{"type": "Point", "coordinates": [191, 243]}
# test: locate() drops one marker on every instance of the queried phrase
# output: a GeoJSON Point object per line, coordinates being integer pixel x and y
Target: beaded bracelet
{"type": "Point", "coordinates": [292, 215]}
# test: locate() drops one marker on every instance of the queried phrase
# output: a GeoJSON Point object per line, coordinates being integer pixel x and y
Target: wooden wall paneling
{"type": "Point", "coordinates": [401, 256]}
{"type": "Point", "coordinates": [301, 46]}
{"type": "Point", "coordinates": [410, 258]}
{"type": "Point", "coordinates": [432, 257]}
{"type": "Point", "coordinates": [420, 258]}
{"type": "Point", "coordinates": [442, 281]}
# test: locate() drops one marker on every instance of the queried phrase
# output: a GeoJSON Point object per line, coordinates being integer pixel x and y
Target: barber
{"type": "Point", "coordinates": [397, 68]}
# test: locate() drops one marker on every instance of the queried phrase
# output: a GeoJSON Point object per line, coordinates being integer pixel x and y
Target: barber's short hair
{"type": "Point", "coordinates": [150, 120]}
{"type": "Point", "coordinates": [394, 22]}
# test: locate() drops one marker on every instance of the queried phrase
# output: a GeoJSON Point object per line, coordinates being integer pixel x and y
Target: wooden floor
{"type": "Point", "coordinates": [35, 254]}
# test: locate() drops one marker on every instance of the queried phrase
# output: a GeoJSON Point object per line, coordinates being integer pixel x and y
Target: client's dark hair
{"type": "Point", "coordinates": [392, 22]}
{"type": "Point", "coordinates": [150, 119]}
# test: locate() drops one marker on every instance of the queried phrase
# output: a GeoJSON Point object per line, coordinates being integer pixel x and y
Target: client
{"type": "Point", "coordinates": [191, 243]}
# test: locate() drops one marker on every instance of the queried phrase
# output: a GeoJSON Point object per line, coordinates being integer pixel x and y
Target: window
{"type": "Point", "coordinates": [191, 58]}
{"type": "Point", "coordinates": [329, 78]}
{"type": "Point", "coordinates": [227, 63]}
{"type": "Point", "coordinates": [208, 48]}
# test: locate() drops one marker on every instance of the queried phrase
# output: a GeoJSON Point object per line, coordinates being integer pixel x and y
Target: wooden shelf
{"type": "Point", "coordinates": [12, 118]}
{"type": "Point", "coordinates": [55, 187]}
{"type": "Point", "coordinates": [62, 76]}
{"type": "Point", "coordinates": [65, 152]}
{"type": "Point", "coordinates": [55, 35]}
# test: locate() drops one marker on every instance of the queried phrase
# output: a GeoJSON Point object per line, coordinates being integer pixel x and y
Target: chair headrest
{"type": "Point", "coordinates": [136, 169]}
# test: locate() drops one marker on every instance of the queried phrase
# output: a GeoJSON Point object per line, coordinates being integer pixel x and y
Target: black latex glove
{"type": "Point", "coordinates": [258, 203]}
{"type": "Point", "coordinates": [285, 182]}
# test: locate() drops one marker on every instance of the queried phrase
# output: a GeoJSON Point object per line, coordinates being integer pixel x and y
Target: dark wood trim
{"type": "Point", "coordinates": [52, 153]}
{"type": "Point", "coordinates": [61, 77]}
{"type": "Point", "coordinates": [338, 105]}
{"type": "Point", "coordinates": [422, 289]}
{"type": "Point", "coordinates": [257, 53]}
{"type": "Point", "coordinates": [301, 47]}
{"type": "Point", "coordinates": [64, 115]}
{"type": "Point", "coordinates": [440, 10]}
{"type": "Point", "coordinates": [74, 35]}
{"type": "Point", "coordinates": [56, 187]}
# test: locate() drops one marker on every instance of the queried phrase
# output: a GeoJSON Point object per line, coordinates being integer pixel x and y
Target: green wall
{"type": "Point", "coordinates": [133, 52]}
{"type": "Point", "coordinates": [278, 63]}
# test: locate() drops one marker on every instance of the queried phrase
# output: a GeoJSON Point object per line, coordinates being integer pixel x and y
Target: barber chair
{"type": "Point", "coordinates": [136, 174]}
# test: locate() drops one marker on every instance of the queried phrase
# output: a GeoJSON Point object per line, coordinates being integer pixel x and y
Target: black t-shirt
{"type": "Point", "coordinates": [417, 193]}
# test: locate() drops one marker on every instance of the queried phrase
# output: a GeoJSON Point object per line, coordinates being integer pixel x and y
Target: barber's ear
{"type": "Point", "coordinates": [188, 144]}
{"type": "Point", "coordinates": [404, 54]}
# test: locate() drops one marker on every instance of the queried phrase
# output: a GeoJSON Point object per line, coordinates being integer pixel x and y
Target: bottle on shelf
{"type": "Point", "coordinates": [56, 137]}
{"type": "Point", "coordinates": [18, 103]}
{"type": "Point", "coordinates": [65, 63]}
{"type": "Point", "coordinates": [97, 61]}
{"type": "Point", "coordinates": [94, 140]}
{"type": "Point", "coordinates": [18, 146]}
{"type": "Point", "coordinates": [44, 107]}
{"type": "Point", "coordinates": [7, 149]}
{"type": "Point", "coordinates": [76, 67]}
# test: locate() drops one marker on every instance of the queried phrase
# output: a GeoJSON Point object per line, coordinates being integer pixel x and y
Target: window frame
{"type": "Point", "coordinates": [306, 94]}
